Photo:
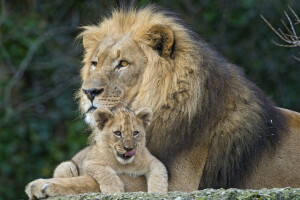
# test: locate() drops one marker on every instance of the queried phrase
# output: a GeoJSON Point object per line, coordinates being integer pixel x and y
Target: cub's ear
{"type": "Point", "coordinates": [102, 116]}
{"type": "Point", "coordinates": [145, 114]}
{"type": "Point", "coordinates": [161, 39]}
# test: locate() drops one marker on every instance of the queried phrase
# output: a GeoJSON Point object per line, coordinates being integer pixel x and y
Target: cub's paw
{"type": "Point", "coordinates": [44, 188]}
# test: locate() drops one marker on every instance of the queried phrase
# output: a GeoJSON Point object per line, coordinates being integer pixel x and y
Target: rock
{"type": "Point", "coordinates": [207, 194]}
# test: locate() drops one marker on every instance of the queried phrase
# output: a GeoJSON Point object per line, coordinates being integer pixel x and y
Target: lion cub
{"type": "Point", "coordinates": [120, 149]}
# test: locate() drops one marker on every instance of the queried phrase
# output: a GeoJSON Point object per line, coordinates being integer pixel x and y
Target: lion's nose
{"type": "Point", "coordinates": [92, 93]}
{"type": "Point", "coordinates": [128, 148]}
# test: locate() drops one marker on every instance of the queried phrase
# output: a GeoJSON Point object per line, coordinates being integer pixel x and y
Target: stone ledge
{"type": "Point", "coordinates": [207, 194]}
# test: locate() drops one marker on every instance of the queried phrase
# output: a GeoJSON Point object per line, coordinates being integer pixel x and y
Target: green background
{"type": "Point", "coordinates": [40, 125]}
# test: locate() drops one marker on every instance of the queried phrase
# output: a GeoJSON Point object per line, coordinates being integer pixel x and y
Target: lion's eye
{"type": "Point", "coordinates": [135, 133]}
{"type": "Point", "coordinates": [123, 63]}
{"type": "Point", "coordinates": [118, 133]}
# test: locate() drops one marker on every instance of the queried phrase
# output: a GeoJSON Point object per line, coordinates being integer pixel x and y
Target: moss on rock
{"type": "Point", "coordinates": [207, 194]}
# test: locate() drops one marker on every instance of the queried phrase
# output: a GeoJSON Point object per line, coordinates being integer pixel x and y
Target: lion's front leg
{"type": "Point", "coordinates": [157, 177]}
{"type": "Point", "coordinates": [43, 188]}
{"type": "Point", "coordinates": [187, 169]}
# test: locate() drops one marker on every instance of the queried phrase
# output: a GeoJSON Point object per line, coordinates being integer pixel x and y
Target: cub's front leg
{"type": "Point", "coordinates": [157, 177]}
{"type": "Point", "coordinates": [107, 178]}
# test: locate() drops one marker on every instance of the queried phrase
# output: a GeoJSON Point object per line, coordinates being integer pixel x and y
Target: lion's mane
{"type": "Point", "coordinates": [196, 96]}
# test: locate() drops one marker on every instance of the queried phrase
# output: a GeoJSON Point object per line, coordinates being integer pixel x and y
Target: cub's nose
{"type": "Point", "coordinates": [92, 93]}
{"type": "Point", "coordinates": [128, 148]}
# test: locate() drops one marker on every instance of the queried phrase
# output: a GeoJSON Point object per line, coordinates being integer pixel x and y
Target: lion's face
{"type": "Point", "coordinates": [123, 131]}
{"type": "Point", "coordinates": [114, 75]}
{"type": "Point", "coordinates": [115, 66]}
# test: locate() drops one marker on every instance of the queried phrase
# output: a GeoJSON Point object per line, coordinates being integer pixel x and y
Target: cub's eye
{"type": "Point", "coordinates": [135, 133]}
{"type": "Point", "coordinates": [118, 133]}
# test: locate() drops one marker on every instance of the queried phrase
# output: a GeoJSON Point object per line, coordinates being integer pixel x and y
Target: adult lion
{"type": "Point", "coordinates": [211, 126]}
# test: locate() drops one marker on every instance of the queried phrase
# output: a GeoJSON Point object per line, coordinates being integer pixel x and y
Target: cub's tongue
{"type": "Point", "coordinates": [129, 153]}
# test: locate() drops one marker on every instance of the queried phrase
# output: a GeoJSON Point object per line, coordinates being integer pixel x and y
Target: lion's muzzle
{"type": "Point", "coordinates": [91, 93]}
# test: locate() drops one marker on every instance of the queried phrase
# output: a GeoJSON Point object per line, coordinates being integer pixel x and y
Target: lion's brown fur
{"type": "Point", "coordinates": [211, 126]}
{"type": "Point", "coordinates": [195, 94]}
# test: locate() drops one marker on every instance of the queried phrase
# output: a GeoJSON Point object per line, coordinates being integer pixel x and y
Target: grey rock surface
{"type": "Point", "coordinates": [207, 194]}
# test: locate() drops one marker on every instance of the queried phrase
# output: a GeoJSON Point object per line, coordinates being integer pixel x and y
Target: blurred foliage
{"type": "Point", "coordinates": [40, 125]}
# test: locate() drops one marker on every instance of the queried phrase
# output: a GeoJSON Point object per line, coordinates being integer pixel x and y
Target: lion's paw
{"type": "Point", "coordinates": [34, 189]}
{"type": "Point", "coordinates": [52, 189]}
{"type": "Point", "coordinates": [44, 188]}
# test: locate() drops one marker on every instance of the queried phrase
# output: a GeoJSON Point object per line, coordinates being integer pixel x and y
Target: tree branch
{"type": "Point", "coordinates": [291, 37]}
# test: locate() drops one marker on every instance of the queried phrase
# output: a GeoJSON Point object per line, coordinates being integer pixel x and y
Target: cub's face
{"type": "Point", "coordinates": [123, 131]}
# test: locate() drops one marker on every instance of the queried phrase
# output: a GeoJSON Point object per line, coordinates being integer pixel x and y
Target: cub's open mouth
{"type": "Point", "coordinates": [126, 155]}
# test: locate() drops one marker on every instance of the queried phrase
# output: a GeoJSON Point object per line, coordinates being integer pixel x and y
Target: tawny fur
{"type": "Point", "coordinates": [101, 164]}
{"type": "Point", "coordinates": [211, 126]}
{"type": "Point", "coordinates": [104, 165]}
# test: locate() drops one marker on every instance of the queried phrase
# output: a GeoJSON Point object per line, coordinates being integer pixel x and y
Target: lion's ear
{"type": "Point", "coordinates": [145, 114]}
{"type": "Point", "coordinates": [88, 41]}
{"type": "Point", "coordinates": [89, 36]}
{"type": "Point", "coordinates": [102, 116]}
{"type": "Point", "coordinates": [161, 39]}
